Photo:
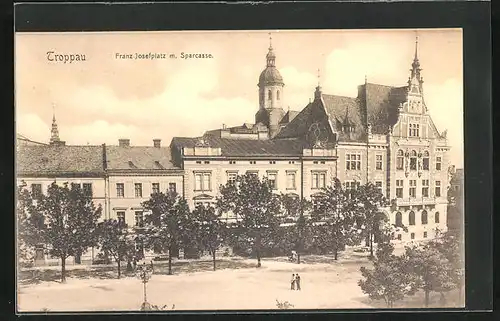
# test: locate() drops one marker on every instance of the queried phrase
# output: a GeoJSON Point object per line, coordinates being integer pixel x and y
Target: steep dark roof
{"type": "Point", "coordinates": [244, 147]}
{"type": "Point", "coordinates": [382, 104]}
{"type": "Point", "coordinates": [344, 111]}
{"type": "Point", "coordinates": [42, 159]}
{"type": "Point", "coordinates": [300, 124]}
{"type": "Point", "coordinates": [376, 105]}
{"type": "Point", "coordinates": [139, 158]}
{"type": "Point", "coordinates": [289, 116]}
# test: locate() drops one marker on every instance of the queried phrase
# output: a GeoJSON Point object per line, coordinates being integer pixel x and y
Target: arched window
{"type": "Point", "coordinates": [400, 160]}
{"type": "Point", "coordinates": [278, 95]}
{"type": "Point", "coordinates": [269, 95]}
{"type": "Point", "coordinates": [425, 161]}
{"type": "Point", "coordinates": [399, 219]}
{"type": "Point", "coordinates": [413, 160]}
{"type": "Point", "coordinates": [436, 217]}
{"type": "Point", "coordinates": [424, 217]}
{"type": "Point", "coordinates": [411, 218]}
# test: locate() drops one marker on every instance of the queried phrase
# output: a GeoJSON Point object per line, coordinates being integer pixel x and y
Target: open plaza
{"type": "Point", "coordinates": [236, 285]}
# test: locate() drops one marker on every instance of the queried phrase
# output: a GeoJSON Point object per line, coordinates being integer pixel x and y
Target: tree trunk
{"type": "Point", "coordinates": [213, 257]}
{"type": "Point", "coordinates": [258, 257]}
{"type": "Point", "coordinates": [119, 269]}
{"type": "Point", "coordinates": [298, 257]}
{"type": "Point", "coordinates": [371, 245]}
{"type": "Point", "coordinates": [63, 269]}
{"type": "Point", "coordinates": [170, 260]}
{"type": "Point", "coordinates": [427, 299]}
{"type": "Point", "coordinates": [335, 253]}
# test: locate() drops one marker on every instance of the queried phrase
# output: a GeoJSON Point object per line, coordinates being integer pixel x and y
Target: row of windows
{"type": "Point", "coordinates": [255, 162]}
{"type": "Point", "coordinates": [155, 188]}
{"type": "Point", "coordinates": [412, 236]}
{"type": "Point", "coordinates": [411, 218]}
{"type": "Point", "coordinates": [413, 157]}
{"type": "Point", "coordinates": [412, 190]}
{"type": "Point", "coordinates": [353, 161]}
{"type": "Point", "coordinates": [36, 189]}
{"type": "Point", "coordinates": [270, 95]}
{"type": "Point", "coordinates": [318, 179]}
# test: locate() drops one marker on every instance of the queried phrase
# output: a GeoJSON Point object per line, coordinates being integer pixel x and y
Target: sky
{"type": "Point", "coordinates": [103, 98]}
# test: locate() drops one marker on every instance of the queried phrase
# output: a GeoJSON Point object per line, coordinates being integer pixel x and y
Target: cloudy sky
{"type": "Point", "coordinates": [104, 98]}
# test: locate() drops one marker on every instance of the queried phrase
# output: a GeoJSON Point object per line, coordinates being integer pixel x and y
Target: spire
{"type": "Point", "coordinates": [415, 80]}
{"type": "Point", "coordinates": [271, 57]}
{"type": "Point", "coordinates": [317, 93]}
{"type": "Point", "coordinates": [54, 132]}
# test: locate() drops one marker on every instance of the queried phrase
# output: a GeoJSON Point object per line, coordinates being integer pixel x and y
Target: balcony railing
{"type": "Point", "coordinates": [416, 201]}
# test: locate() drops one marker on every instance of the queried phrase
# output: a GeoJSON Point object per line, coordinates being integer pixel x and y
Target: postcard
{"type": "Point", "coordinates": [239, 170]}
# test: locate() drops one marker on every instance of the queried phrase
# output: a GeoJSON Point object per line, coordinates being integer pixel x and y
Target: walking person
{"type": "Point", "coordinates": [292, 282]}
{"type": "Point", "coordinates": [297, 281]}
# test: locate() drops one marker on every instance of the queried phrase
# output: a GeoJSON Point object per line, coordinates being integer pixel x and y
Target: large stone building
{"type": "Point", "coordinates": [384, 135]}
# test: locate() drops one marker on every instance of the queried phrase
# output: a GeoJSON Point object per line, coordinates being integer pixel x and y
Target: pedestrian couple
{"type": "Point", "coordinates": [295, 282]}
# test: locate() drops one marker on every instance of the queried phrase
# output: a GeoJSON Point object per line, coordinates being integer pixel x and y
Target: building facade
{"type": "Point", "coordinates": [385, 135]}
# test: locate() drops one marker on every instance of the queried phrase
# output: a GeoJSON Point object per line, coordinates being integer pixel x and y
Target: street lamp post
{"type": "Point", "coordinates": [144, 273]}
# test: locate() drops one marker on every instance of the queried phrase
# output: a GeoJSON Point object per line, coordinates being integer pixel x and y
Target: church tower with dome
{"type": "Point", "coordinates": [270, 85]}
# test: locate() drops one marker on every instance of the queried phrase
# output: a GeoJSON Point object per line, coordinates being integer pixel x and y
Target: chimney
{"type": "Point", "coordinates": [124, 142]}
{"type": "Point", "coordinates": [157, 143]}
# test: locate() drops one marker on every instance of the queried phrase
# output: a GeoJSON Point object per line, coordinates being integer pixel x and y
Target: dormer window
{"type": "Point", "coordinates": [269, 95]}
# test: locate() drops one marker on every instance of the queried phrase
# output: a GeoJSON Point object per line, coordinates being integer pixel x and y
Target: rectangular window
{"type": "Point", "coordinates": [155, 188]}
{"type": "Point", "coordinates": [256, 173]}
{"type": "Point", "coordinates": [76, 186]}
{"type": "Point", "coordinates": [353, 162]}
{"type": "Point", "coordinates": [378, 162]}
{"type": "Point", "coordinates": [351, 186]}
{"type": "Point", "coordinates": [425, 235]}
{"type": "Point", "coordinates": [425, 163]}
{"type": "Point", "coordinates": [438, 163]}
{"type": "Point", "coordinates": [290, 180]}
{"type": "Point", "coordinates": [120, 190]}
{"type": "Point", "coordinates": [172, 187]}
{"type": "Point", "coordinates": [253, 162]}
{"type": "Point", "coordinates": [399, 237]}
{"type": "Point", "coordinates": [138, 189]}
{"type": "Point", "coordinates": [318, 180]}
{"type": "Point", "coordinates": [399, 188]}
{"type": "Point", "coordinates": [232, 162]}
{"type": "Point", "coordinates": [36, 190]}
{"type": "Point", "coordinates": [231, 177]}
{"type": "Point", "coordinates": [272, 162]}
{"type": "Point", "coordinates": [412, 236]}
{"type": "Point", "coordinates": [425, 188]}
{"type": "Point", "coordinates": [413, 188]}
{"type": "Point", "coordinates": [438, 189]}
{"type": "Point", "coordinates": [400, 162]}
{"type": "Point", "coordinates": [378, 184]}
{"type": "Point", "coordinates": [121, 217]}
{"type": "Point", "coordinates": [413, 163]}
{"type": "Point", "coordinates": [206, 162]}
{"type": "Point", "coordinates": [272, 178]}
{"type": "Point", "coordinates": [139, 219]}
{"type": "Point", "coordinates": [414, 130]}
{"type": "Point", "coordinates": [87, 189]}
{"type": "Point", "coordinates": [202, 181]}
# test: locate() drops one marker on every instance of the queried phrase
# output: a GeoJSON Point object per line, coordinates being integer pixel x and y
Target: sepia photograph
{"type": "Point", "coordinates": [239, 170]}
